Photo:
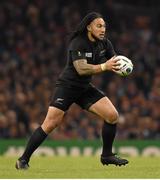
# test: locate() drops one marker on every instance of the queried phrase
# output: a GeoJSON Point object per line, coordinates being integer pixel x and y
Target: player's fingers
{"type": "Point", "coordinates": [116, 60]}
{"type": "Point", "coordinates": [116, 68]}
{"type": "Point", "coordinates": [117, 64]}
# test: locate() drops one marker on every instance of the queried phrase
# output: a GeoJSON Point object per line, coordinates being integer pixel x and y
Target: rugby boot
{"type": "Point", "coordinates": [113, 159]}
{"type": "Point", "coordinates": [22, 164]}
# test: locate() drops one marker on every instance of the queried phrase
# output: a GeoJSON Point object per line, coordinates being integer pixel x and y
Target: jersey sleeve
{"type": "Point", "coordinates": [77, 49]}
{"type": "Point", "coordinates": [110, 52]}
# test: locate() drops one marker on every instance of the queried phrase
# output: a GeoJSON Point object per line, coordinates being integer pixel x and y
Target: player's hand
{"type": "Point", "coordinates": [111, 64]}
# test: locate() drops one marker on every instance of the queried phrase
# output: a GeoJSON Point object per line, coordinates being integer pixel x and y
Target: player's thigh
{"type": "Point", "coordinates": [54, 114]}
{"type": "Point", "coordinates": [62, 99]}
{"type": "Point", "coordinates": [105, 109]}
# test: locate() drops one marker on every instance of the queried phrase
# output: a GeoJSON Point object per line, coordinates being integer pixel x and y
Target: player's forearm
{"type": "Point", "coordinates": [90, 69]}
{"type": "Point", "coordinates": [86, 69]}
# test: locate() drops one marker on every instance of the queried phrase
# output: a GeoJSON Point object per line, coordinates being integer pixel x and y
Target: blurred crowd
{"type": "Point", "coordinates": [33, 46]}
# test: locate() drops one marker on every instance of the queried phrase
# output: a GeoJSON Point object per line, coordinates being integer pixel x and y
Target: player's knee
{"type": "Point", "coordinates": [113, 117]}
{"type": "Point", "coordinates": [51, 123]}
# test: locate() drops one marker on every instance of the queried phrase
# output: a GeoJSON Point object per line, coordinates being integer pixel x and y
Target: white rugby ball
{"type": "Point", "coordinates": [126, 66]}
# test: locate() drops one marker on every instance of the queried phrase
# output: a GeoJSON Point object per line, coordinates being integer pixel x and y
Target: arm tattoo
{"type": "Point", "coordinates": [83, 68]}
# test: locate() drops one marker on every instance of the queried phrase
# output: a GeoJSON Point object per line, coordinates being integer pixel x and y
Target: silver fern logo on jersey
{"type": "Point", "coordinates": [79, 53]}
{"type": "Point", "coordinates": [102, 52]}
{"type": "Point", "coordinates": [59, 100]}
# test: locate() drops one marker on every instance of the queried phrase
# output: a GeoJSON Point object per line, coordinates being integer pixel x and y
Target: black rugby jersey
{"type": "Point", "coordinates": [82, 48]}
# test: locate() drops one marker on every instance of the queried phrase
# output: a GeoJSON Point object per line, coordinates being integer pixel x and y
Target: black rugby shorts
{"type": "Point", "coordinates": [64, 97]}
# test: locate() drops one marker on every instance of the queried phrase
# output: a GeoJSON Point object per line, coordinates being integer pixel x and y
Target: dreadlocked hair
{"type": "Point", "coordinates": [81, 29]}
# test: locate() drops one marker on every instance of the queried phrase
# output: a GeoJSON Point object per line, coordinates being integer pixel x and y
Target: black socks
{"type": "Point", "coordinates": [108, 135]}
{"type": "Point", "coordinates": [34, 142]}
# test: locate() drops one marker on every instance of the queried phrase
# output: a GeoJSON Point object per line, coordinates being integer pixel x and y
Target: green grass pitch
{"type": "Point", "coordinates": [80, 167]}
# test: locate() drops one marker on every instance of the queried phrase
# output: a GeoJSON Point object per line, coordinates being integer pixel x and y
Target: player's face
{"type": "Point", "coordinates": [97, 29]}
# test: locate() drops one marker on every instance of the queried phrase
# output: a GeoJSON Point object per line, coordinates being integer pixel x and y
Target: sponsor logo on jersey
{"type": "Point", "coordinates": [88, 54]}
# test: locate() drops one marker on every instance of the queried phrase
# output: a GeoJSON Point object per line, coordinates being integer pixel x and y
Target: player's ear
{"type": "Point", "coordinates": [89, 28]}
